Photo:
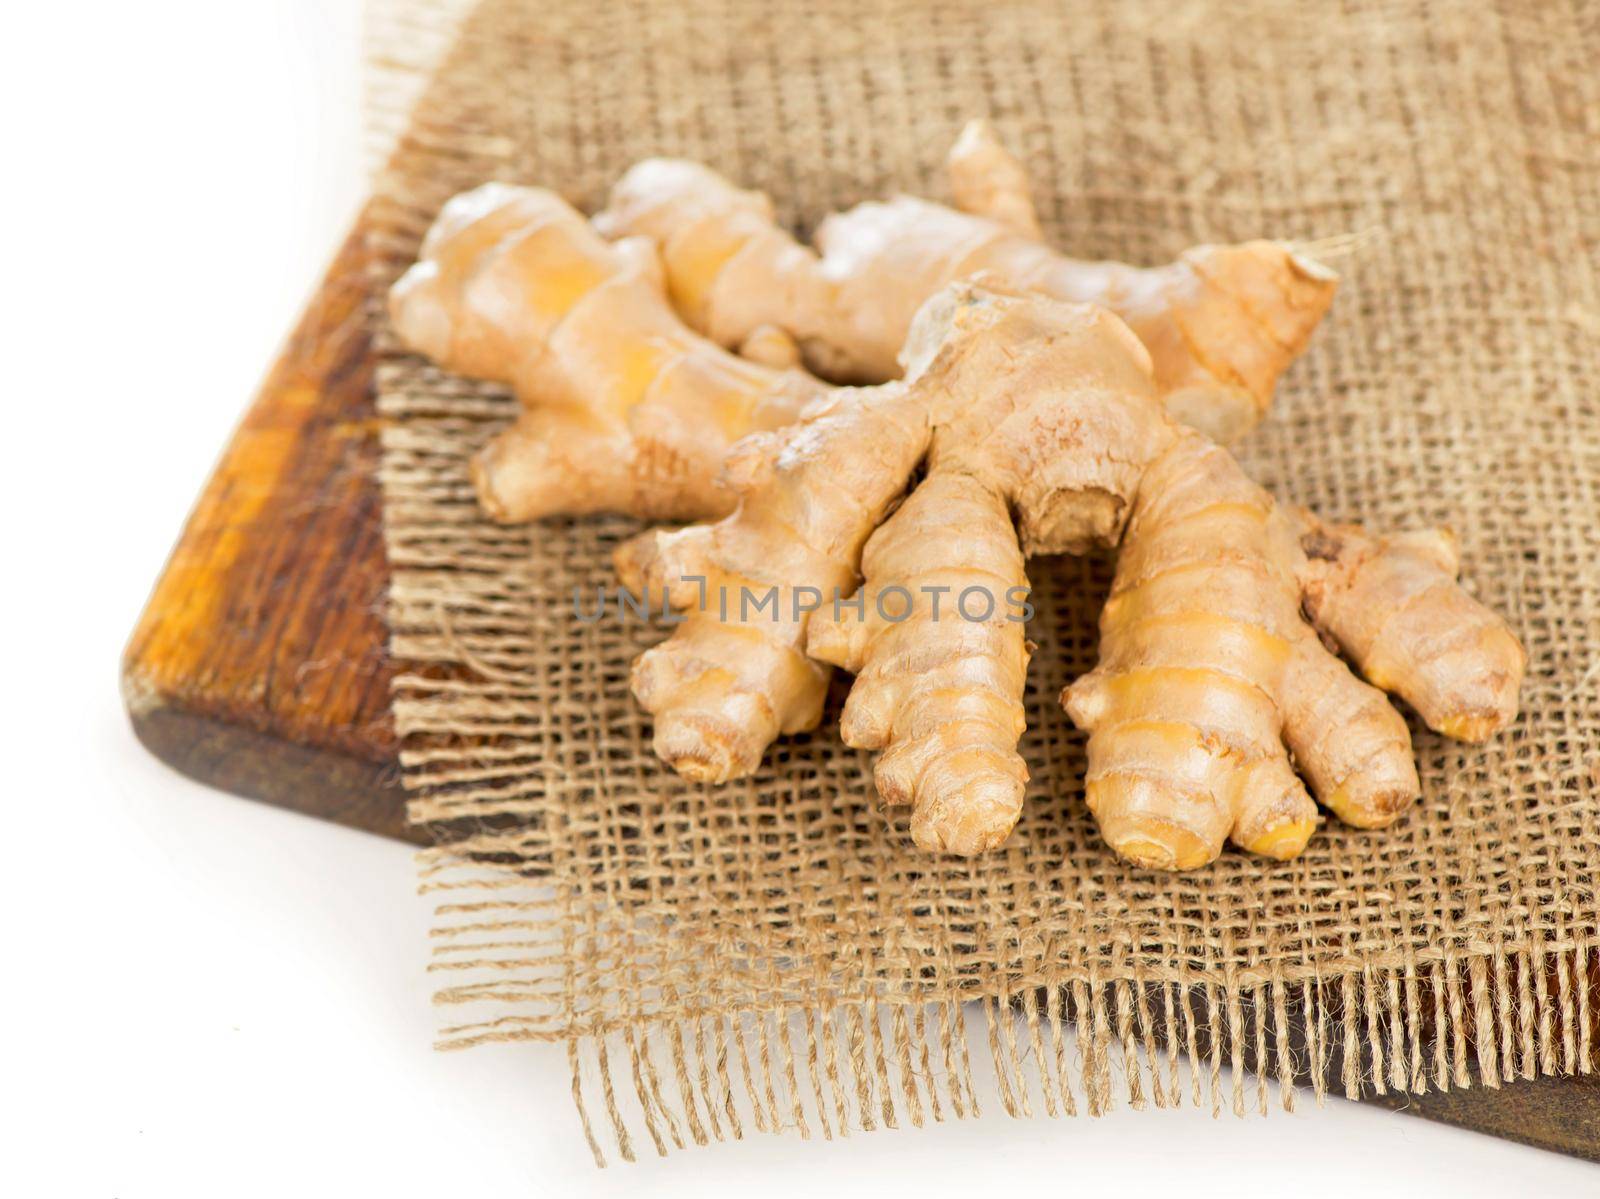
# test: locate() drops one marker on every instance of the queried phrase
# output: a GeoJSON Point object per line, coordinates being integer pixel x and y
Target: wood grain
{"type": "Point", "coordinates": [260, 664]}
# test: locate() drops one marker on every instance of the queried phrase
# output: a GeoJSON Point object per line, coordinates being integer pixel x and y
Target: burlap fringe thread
{"type": "Point", "coordinates": [1429, 1020]}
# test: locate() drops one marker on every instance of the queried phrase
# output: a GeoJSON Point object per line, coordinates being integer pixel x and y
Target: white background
{"type": "Point", "coordinates": [204, 996]}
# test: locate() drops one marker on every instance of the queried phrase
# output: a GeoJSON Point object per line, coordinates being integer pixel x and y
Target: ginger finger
{"type": "Point", "coordinates": [1183, 711]}
{"type": "Point", "coordinates": [734, 675]}
{"type": "Point", "coordinates": [626, 409]}
{"type": "Point", "coordinates": [729, 269]}
{"type": "Point", "coordinates": [940, 662]}
{"type": "Point", "coordinates": [987, 181]}
{"type": "Point", "coordinates": [1393, 605]}
{"type": "Point", "coordinates": [771, 346]}
{"type": "Point", "coordinates": [426, 303]}
{"type": "Point", "coordinates": [547, 462]}
{"type": "Point", "coordinates": [1348, 742]}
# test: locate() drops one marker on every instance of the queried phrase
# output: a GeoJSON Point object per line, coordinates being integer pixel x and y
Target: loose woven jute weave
{"type": "Point", "coordinates": [774, 954]}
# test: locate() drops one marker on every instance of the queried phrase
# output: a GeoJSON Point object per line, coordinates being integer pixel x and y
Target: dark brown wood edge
{"type": "Point", "coordinates": [260, 664]}
{"type": "Point", "coordinates": [1561, 1114]}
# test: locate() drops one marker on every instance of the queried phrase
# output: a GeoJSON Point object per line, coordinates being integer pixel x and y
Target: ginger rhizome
{"type": "Point", "coordinates": [1031, 425]}
{"type": "Point", "coordinates": [1039, 430]}
{"type": "Point", "coordinates": [624, 408]}
{"type": "Point", "coordinates": [1221, 323]}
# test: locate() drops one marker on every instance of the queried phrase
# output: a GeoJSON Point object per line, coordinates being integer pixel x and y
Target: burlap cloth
{"type": "Point", "coordinates": [774, 954]}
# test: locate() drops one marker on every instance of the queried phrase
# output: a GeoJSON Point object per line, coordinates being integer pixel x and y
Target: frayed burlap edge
{"type": "Point", "coordinates": [1393, 1023]}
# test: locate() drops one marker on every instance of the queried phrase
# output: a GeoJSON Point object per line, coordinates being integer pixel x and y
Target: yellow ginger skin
{"type": "Point", "coordinates": [624, 408]}
{"type": "Point", "coordinates": [1393, 606]}
{"type": "Point", "coordinates": [1045, 415]}
{"type": "Point", "coordinates": [733, 678]}
{"type": "Point", "coordinates": [1222, 323]}
{"type": "Point", "coordinates": [1207, 663]}
{"type": "Point", "coordinates": [940, 693]}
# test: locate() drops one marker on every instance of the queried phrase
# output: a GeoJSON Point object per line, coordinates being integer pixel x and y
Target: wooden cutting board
{"type": "Point", "coordinates": [261, 663]}
{"type": "Point", "coordinates": [261, 666]}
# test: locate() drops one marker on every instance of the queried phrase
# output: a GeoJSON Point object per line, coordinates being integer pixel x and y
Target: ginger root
{"type": "Point", "coordinates": [1033, 425]}
{"type": "Point", "coordinates": [1221, 323]}
{"type": "Point", "coordinates": [1040, 431]}
{"type": "Point", "coordinates": [624, 409]}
